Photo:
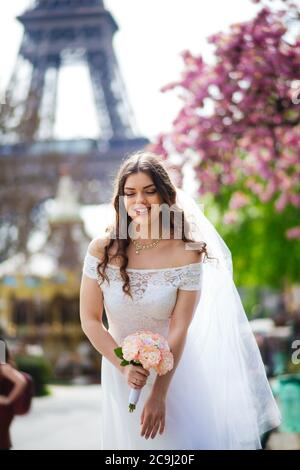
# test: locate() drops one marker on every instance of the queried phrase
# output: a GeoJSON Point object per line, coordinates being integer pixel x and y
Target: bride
{"type": "Point", "coordinates": [163, 267]}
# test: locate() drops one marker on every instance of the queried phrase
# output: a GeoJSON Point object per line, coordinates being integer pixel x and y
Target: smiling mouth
{"type": "Point", "coordinates": [142, 211]}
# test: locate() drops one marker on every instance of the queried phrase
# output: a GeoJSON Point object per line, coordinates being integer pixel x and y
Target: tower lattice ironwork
{"type": "Point", "coordinates": [56, 32]}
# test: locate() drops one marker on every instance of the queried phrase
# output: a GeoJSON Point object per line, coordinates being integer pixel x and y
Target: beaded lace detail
{"type": "Point", "coordinates": [186, 277]}
{"type": "Point", "coordinates": [154, 293]}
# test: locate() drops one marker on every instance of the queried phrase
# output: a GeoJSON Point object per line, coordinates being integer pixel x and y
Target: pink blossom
{"type": "Point", "coordinates": [293, 233]}
{"type": "Point", "coordinates": [238, 200]}
{"type": "Point", "coordinates": [149, 356]}
{"type": "Point", "coordinates": [230, 217]}
{"type": "Point", "coordinates": [281, 202]}
{"type": "Point", "coordinates": [238, 115]}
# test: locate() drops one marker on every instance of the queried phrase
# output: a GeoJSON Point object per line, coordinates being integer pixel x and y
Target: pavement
{"type": "Point", "coordinates": [284, 441]}
{"type": "Point", "coordinates": [69, 419]}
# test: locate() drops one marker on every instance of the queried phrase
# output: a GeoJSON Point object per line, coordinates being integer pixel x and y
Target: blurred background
{"type": "Point", "coordinates": [214, 87]}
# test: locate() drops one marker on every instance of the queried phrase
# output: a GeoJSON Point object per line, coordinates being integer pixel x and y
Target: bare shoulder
{"type": "Point", "coordinates": [97, 246]}
{"type": "Point", "coordinates": [183, 256]}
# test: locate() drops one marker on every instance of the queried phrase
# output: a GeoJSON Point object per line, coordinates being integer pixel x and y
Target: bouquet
{"type": "Point", "coordinates": [146, 349]}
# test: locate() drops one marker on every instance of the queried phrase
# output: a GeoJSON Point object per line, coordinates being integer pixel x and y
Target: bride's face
{"type": "Point", "coordinates": [141, 199]}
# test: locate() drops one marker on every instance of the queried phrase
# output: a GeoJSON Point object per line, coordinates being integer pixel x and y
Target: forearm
{"type": "Point", "coordinates": [176, 340]}
{"type": "Point", "coordinates": [102, 341]}
{"type": "Point", "coordinates": [16, 391]}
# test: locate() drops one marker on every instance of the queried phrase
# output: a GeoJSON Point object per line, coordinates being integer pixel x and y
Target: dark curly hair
{"type": "Point", "coordinates": [153, 165]}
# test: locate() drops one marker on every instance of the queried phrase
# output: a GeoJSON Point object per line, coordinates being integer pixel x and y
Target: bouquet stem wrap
{"type": "Point", "coordinates": [134, 396]}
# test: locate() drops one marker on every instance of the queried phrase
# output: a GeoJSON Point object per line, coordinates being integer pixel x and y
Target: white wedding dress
{"type": "Point", "coordinates": [193, 421]}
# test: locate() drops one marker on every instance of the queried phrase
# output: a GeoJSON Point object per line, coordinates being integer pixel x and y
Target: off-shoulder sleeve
{"type": "Point", "coordinates": [191, 277]}
{"type": "Point", "coordinates": [90, 266]}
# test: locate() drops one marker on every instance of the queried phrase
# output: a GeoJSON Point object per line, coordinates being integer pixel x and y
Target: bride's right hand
{"type": "Point", "coordinates": [136, 376]}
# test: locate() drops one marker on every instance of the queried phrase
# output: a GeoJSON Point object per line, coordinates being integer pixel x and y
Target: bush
{"type": "Point", "coordinates": [40, 370]}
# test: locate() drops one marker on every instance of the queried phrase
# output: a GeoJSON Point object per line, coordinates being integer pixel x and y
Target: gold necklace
{"type": "Point", "coordinates": [139, 247]}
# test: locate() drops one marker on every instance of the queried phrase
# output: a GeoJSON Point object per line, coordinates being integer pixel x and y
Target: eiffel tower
{"type": "Point", "coordinates": [56, 31]}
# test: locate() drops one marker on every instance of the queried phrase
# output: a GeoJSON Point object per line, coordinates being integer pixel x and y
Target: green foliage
{"type": "Point", "coordinates": [262, 254]}
{"type": "Point", "coordinates": [119, 353]}
{"type": "Point", "coordinates": [125, 363]}
{"type": "Point", "coordinates": [40, 370]}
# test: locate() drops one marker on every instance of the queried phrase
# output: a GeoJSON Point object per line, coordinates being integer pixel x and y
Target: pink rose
{"type": "Point", "coordinates": [149, 356]}
{"type": "Point", "coordinates": [166, 364]}
{"type": "Point", "coordinates": [130, 348]}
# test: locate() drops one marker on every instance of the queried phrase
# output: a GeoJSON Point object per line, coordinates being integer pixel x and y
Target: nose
{"type": "Point", "coordinates": [140, 198]}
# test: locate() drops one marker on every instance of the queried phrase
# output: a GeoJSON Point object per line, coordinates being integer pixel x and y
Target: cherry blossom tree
{"type": "Point", "coordinates": [239, 124]}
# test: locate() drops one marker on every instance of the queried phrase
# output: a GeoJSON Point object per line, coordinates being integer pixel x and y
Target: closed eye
{"type": "Point", "coordinates": [152, 192]}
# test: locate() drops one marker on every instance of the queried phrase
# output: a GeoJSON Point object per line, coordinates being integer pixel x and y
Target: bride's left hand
{"type": "Point", "coordinates": [153, 416]}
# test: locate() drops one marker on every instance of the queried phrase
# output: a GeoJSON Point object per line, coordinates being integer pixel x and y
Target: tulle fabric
{"type": "Point", "coordinates": [220, 338]}
{"type": "Point", "coordinates": [221, 344]}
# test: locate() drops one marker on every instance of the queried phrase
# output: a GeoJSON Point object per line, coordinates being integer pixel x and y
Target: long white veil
{"type": "Point", "coordinates": [221, 345]}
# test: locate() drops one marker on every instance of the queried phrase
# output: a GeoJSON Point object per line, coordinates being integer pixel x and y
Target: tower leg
{"type": "Point", "coordinates": [102, 75]}
{"type": "Point", "coordinates": [31, 117]}
{"type": "Point", "coordinates": [100, 101]}
{"type": "Point", "coordinates": [49, 102]}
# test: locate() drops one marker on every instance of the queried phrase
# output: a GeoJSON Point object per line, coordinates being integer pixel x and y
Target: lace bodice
{"type": "Point", "coordinates": [154, 293]}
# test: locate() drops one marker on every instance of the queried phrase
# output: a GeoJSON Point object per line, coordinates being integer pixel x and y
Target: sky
{"type": "Point", "coordinates": [148, 44]}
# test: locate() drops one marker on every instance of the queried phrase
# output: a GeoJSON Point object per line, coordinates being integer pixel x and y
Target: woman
{"type": "Point", "coordinates": [150, 272]}
{"type": "Point", "coordinates": [12, 384]}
